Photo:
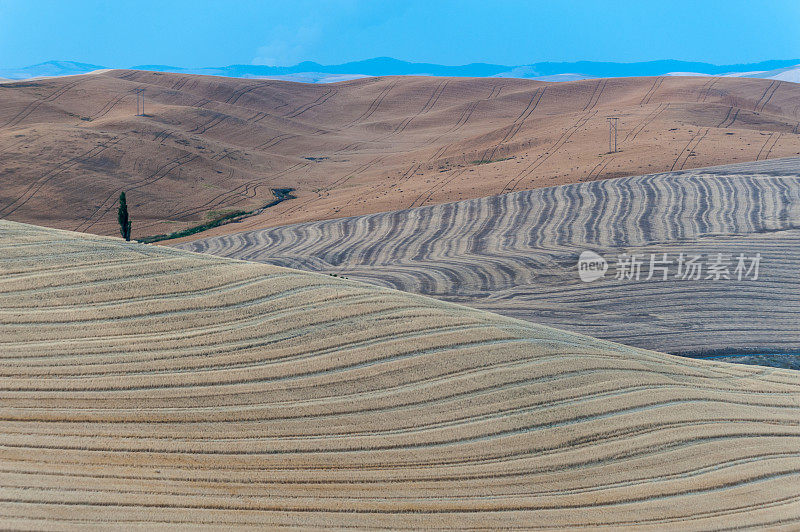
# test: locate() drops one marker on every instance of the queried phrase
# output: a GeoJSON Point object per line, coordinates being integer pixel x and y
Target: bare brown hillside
{"type": "Point", "coordinates": [210, 145]}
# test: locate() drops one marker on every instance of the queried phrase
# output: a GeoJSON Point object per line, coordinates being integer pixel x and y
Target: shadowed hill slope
{"type": "Point", "coordinates": [146, 386]}
{"type": "Point", "coordinates": [517, 254]}
{"type": "Point", "coordinates": [209, 146]}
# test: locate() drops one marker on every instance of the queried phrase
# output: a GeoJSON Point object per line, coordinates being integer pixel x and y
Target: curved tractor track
{"type": "Point", "coordinates": [517, 254]}
{"type": "Point", "coordinates": [146, 387]}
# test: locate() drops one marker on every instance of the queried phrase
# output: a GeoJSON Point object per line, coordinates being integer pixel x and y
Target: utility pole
{"type": "Point", "coordinates": [139, 94]}
{"type": "Point", "coordinates": [612, 134]}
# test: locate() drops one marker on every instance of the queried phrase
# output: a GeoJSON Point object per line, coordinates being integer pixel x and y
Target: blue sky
{"type": "Point", "coordinates": [121, 33]}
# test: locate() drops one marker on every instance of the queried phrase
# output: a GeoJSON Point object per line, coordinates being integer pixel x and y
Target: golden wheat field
{"type": "Point", "coordinates": [145, 386]}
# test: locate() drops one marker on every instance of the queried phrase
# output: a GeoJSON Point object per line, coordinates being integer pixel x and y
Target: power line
{"type": "Point", "coordinates": [612, 134]}
{"type": "Point", "coordinates": [139, 95]}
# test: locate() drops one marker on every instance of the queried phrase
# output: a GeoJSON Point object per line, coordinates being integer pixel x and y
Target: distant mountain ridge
{"type": "Point", "coordinates": [48, 69]}
{"type": "Point", "coordinates": [311, 72]}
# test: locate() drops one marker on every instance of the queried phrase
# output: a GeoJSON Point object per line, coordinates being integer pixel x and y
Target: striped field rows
{"type": "Point", "coordinates": [516, 254]}
{"type": "Point", "coordinates": [143, 386]}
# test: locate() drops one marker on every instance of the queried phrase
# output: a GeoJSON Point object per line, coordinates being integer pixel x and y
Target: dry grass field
{"type": "Point", "coordinates": [517, 254]}
{"type": "Point", "coordinates": [146, 386]}
{"type": "Point", "coordinates": [208, 146]}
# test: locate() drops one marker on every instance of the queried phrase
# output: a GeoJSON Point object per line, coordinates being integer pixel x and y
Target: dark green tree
{"type": "Point", "coordinates": [122, 217]}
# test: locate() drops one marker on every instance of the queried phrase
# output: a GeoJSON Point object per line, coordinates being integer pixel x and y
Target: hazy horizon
{"type": "Point", "coordinates": [122, 34]}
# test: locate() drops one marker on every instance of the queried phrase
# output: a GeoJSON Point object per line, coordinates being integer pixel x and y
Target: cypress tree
{"type": "Point", "coordinates": [122, 218]}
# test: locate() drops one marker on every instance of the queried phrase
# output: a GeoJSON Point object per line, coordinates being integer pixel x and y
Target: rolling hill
{"type": "Point", "coordinates": [209, 148]}
{"type": "Point", "coordinates": [144, 387]}
{"type": "Point", "coordinates": [517, 254]}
